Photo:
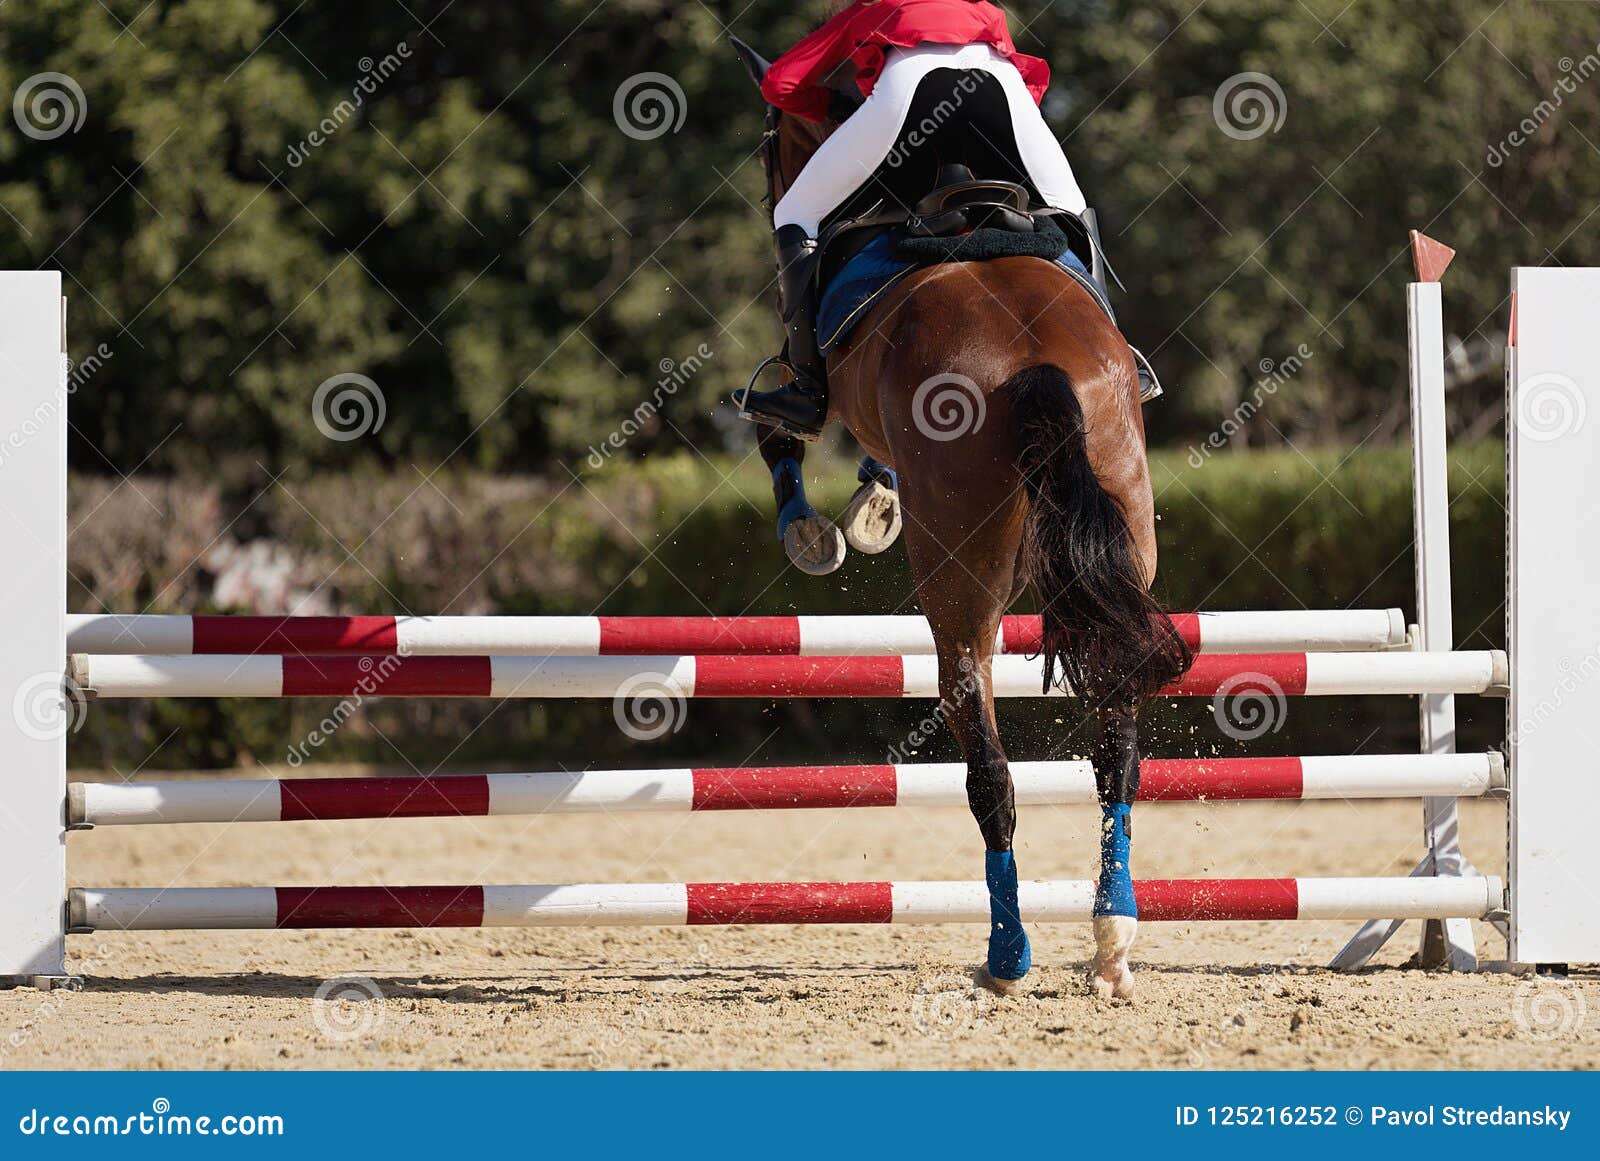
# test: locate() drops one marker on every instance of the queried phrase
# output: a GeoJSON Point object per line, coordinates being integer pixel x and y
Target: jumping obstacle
{"type": "Point", "coordinates": [696, 904]}
{"type": "Point", "coordinates": [1295, 631]}
{"type": "Point", "coordinates": [1067, 783]}
{"type": "Point", "coordinates": [1214, 674]}
{"type": "Point", "coordinates": [1548, 911]}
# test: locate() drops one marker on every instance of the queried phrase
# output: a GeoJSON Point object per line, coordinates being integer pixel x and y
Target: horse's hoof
{"type": "Point", "coordinates": [996, 985]}
{"type": "Point", "coordinates": [871, 520]}
{"type": "Point", "coordinates": [814, 544]}
{"type": "Point", "coordinates": [1112, 978]}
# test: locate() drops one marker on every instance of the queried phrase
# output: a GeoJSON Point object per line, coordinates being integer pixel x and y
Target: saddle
{"type": "Point", "coordinates": [974, 219]}
{"type": "Point", "coordinates": [962, 219]}
{"type": "Point", "coordinates": [959, 205]}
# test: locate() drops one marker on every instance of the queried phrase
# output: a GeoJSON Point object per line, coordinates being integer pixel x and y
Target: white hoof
{"type": "Point", "coordinates": [814, 545]}
{"type": "Point", "coordinates": [871, 521]}
{"type": "Point", "coordinates": [1112, 978]}
{"type": "Point", "coordinates": [998, 986]}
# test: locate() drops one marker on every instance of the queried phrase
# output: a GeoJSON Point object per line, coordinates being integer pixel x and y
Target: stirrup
{"type": "Point", "coordinates": [1150, 387]}
{"type": "Point", "coordinates": [741, 400]}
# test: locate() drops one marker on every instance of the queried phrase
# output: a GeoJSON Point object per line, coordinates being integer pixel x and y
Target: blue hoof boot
{"type": "Point", "coordinates": [1010, 957]}
{"type": "Point", "coordinates": [789, 490]}
{"type": "Point", "coordinates": [1113, 893]}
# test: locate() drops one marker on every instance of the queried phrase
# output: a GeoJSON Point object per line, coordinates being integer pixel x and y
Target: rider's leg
{"type": "Point", "coordinates": [1037, 147]}
{"type": "Point", "coordinates": [800, 406]}
{"type": "Point", "coordinates": [853, 152]}
{"type": "Point", "coordinates": [845, 161]}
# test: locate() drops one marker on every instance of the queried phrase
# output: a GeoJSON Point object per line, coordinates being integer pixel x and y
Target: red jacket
{"type": "Point", "coordinates": [864, 30]}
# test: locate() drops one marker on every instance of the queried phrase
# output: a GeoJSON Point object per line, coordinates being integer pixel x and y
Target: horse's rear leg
{"type": "Point", "coordinates": [1116, 774]}
{"type": "Point", "coordinates": [966, 699]}
{"type": "Point", "coordinates": [812, 541]}
{"type": "Point", "coordinates": [963, 602]}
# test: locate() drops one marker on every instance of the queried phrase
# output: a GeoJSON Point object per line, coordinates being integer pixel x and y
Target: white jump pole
{"type": "Point", "coordinates": [1552, 620]}
{"type": "Point", "coordinates": [1445, 942]}
{"type": "Point", "coordinates": [33, 720]}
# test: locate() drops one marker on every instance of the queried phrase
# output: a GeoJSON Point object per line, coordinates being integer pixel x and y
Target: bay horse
{"type": "Point", "coordinates": [1008, 403]}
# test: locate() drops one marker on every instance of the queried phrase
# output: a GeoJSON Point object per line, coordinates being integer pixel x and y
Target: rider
{"type": "Point", "coordinates": [893, 45]}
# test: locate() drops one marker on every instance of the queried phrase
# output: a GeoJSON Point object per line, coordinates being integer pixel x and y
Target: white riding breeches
{"type": "Point", "coordinates": [858, 147]}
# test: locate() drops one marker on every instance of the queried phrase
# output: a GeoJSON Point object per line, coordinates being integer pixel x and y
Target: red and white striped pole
{"type": "Point", "coordinates": [768, 788]}
{"type": "Point", "coordinates": [679, 904]}
{"type": "Point", "coordinates": [1213, 675]}
{"type": "Point", "coordinates": [1292, 631]}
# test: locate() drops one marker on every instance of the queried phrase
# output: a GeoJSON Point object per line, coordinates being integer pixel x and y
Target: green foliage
{"type": "Point", "coordinates": [479, 236]}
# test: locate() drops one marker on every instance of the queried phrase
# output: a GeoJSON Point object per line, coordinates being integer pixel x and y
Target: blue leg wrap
{"type": "Point", "coordinates": [1009, 953]}
{"type": "Point", "coordinates": [871, 469]}
{"type": "Point", "coordinates": [786, 479]}
{"type": "Point", "coordinates": [1113, 894]}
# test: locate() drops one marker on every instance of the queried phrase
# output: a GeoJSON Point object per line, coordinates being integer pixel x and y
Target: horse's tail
{"type": "Point", "coordinates": [1110, 639]}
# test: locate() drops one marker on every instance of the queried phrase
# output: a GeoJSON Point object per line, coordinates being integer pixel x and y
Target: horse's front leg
{"type": "Point", "coordinates": [1116, 915]}
{"type": "Point", "coordinates": [812, 541]}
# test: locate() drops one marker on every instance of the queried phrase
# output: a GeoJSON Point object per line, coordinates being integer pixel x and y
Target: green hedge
{"type": "Point", "coordinates": [1259, 530]}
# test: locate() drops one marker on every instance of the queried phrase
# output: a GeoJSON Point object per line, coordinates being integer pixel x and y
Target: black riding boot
{"type": "Point", "coordinates": [800, 406]}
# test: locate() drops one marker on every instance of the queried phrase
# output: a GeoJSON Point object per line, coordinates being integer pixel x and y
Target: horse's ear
{"type": "Point", "coordinates": [754, 63]}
